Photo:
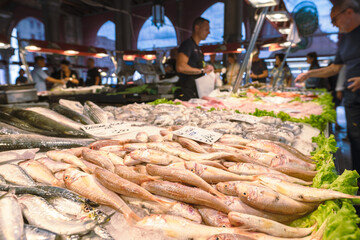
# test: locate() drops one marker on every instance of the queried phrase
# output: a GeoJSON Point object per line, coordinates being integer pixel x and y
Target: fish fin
{"type": "Point", "coordinates": [317, 235]}
{"type": "Point", "coordinates": [132, 218]}
{"type": "Point", "coordinates": [107, 219]}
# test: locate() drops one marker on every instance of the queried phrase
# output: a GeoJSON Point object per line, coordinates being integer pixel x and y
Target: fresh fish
{"type": "Point", "coordinates": [67, 157]}
{"type": "Point", "coordinates": [74, 115]}
{"type": "Point", "coordinates": [35, 233]}
{"type": "Point", "coordinates": [237, 155]}
{"type": "Point", "coordinates": [302, 193]}
{"type": "Point", "coordinates": [228, 188]}
{"type": "Point", "coordinates": [236, 205]}
{"type": "Point", "coordinates": [16, 175]}
{"type": "Point", "coordinates": [57, 117]}
{"type": "Point", "coordinates": [88, 186]}
{"type": "Point", "coordinates": [254, 169]}
{"type": "Point", "coordinates": [142, 137]}
{"type": "Point", "coordinates": [282, 165]}
{"type": "Point", "coordinates": [108, 143]}
{"type": "Point", "coordinates": [90, 165]}
{"type": "Point", "coordinates": [233, 140]}
{"type": "Point", "coordinates": [16, 155]}
{"type": "Point", "coordinates": [295, 152]}
{"type": "Point", "coordinates": [6, 129]}
{"type": "Point", "coordinates": [54, 166]}
{"type": "Point", "coordinates": [129, 174]}
{"type": "Point", "coordinates": [111, 148]}
{"type": "Point", "coordinates": [190, 145]}
{"type": "Point", "coordinates": [129, 161]}
{"type": "Point", "coordinates": [103, 233]}
{"type": "Point", "coordinates": [48, 124]}
{"type": "Point", "coordinates": [40, 173]}
{"type": "Point", "coordinates": [182, 176]}
{"type": "Point", "coordinates": [11, 220]}
{"type": "Point", "coordinates": [114, 158]}
{"type": "Point", "coordinates": [2, 181]}
{"type": "Point", "coordinates": [101, 160]}
{"type": "Point", "coordinates": [16, 122]}
{"type": "Point", "coordinates": [230, 236]}
{"type": "Point", "coordinates": [156, 138]}
{"type": "Point", "coordinates": [268, 226]}
{"type": "Point", "coordinates": [215, 175]}
{"type": "Point", "coordinates": [154, 157]}
{"type": "Point", "coordinates": [177, 209]}
{"type": "Point", "coordinates": [214, 218]}
{"type": "Point", "coordinates": [40, 213]}
{"type": "Point", "coordinates": [25, 141]}
{"type": "Point", "coordinates": [77, 151]}
{"type": "Point", "coordinates": [74, 105]}
{"type": "Point", "coordinates": [185, 194]}
{"type": "Point", "coordinates": [60, 175]}
{"type": "Point", "coordinates": [122, 186]}
{"type": "Point", "coordinates": [268, 200]}
{"type": "Point", "coordinates": [95, 113]}
{"type": "Point", "coordinates": [173, 226]}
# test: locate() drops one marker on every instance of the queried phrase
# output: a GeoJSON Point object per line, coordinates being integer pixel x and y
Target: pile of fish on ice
{"type": "Point", "coordinates": [226, 122]}
{"type": "Point", "coordinates": [233, 189]}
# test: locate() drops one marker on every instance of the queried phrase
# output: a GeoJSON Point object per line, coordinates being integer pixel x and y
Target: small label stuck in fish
{"type": "Point", "coordinates": [109, 129]}
{"type": "Point", "coordinates": [198, 134]}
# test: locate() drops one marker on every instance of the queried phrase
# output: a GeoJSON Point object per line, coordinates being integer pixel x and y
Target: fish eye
{"type": "Point", "coordinates": [244, 193]}
{"type": "Point", "coordinates": [217, 238]}
{"type": "Point", "coordinates": [225, 185]}
{"type": "Point", "coordinates": [66, 177]}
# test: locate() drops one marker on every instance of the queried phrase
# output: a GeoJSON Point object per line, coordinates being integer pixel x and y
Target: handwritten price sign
{"type": "Point", "coordinates": [109, 129]}
{"type": "Point", "coordinates": [198, 134]}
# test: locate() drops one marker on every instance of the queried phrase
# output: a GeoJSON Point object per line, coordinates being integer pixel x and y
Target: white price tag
{"type": "Point", "coordinates": [198, 134]}
{"type": "Point", "coordinates": [109, 129]}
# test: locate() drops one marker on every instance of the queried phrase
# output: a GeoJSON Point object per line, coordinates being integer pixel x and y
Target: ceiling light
{"type": "Point", "coordinates": [4, 45]}
{"type": "Point", "coordinates": [129, 57]}
{"type": "Point", "coordinates": [32, 48]}
{"type": "Point", "coordinates": [149, 57]}
{"type": "Point", "coordinates": [285, 31]}
{"type": "Point", "coordinates": [278, 16]}
{"type": "Point", "coordinates": [101, 55]}
{"type": "Point", "coordinates": [264, 3]}
{"type": "Point", "coordinates": [240, 49]}
{"type": "Point", "coordinates": [158, 13]}
{"type": "Point", "coordinates": [71, 52]}
{"type": "Point", "coordinates": [287, 44]}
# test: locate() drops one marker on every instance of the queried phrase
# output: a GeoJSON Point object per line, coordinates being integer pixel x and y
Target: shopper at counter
{"type": "Point", "coordinates": [40, 77]}
{"type": "Point", "coordinates": [21, 79]}
{"type": "Point", "coordinates": [259, 71]}
{"type": "Point", "coordinates": [216, 65]}
{"type": "Point", "coordinates": [66, 72]}
{"type": "Point", "coordinates": [190, 60]}
{"type": "Point", "coordinates": [280, 77]}
{"type": "Point", "coordinates": [232, 70]}
{"type": "Point", "coordinates": [346, 16]}
{"type": "Point", "coordinates": [93, 75]}
{"type": "Point", "coordinates": [311, 58]}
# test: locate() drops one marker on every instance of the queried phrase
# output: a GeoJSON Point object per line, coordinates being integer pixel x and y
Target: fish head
{"type": "Point", "coordinates": [194, 167]}
{"type": "Point", "coordinates": [71, 175]}
{"type": "Point", "coordinates": [279, 160]}
{"type": "Point", "coordinates": [248, 191]}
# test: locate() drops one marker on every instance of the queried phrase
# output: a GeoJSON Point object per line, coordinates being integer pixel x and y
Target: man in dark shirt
{"type": "Point", "coordinates": [190, 60]}
{"type": "Point", "coordinates": [21, 79]}
{"type": "Point", "coordinates": [93, 75]}
{"type": "Point", "coordinates": [346, 16]}
{"type": "Point", "coordinates": [259, 71]}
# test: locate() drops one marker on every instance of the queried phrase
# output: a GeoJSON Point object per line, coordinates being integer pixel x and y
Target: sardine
{"type": "Point", "coordinates": [74, 115]}
{"type": "Point", "coordinates": [67, 157]}
{"type": "Point", "coordinates": [138, 178]}
{"type": "Point", "coordinates": [48, 124]}
{"type": "Point", "coordinates": [57, 117]}
{"type": "Point", "coordinates": [35, 233]}
{"type": "Point", "coordinates": [214, 218]}
{"type": "Point", "coordinates": [95, 113]}
{"type": "Point", "coordinates": [177, 209]}
{"type": "Point", "coordinates": [268, 200]}
{"type": "Point", "coordinates": [40, 173]}
{"type": "Point", "coordinates": [40, 213]}
{"type": "Point", "coordinates": [186, 194]}
{"type": "Point", "coordinates": [88, 186]}
{"type": "Point", "coordinates": [182, 176]}
{"type": "Point", "coordinates": [11, 220]}
{"type": "Point", "coordinates": [154, 157]}
{"type": "Point", "coordinates": [173, 226]}
{"type": "Point", "coordinates": [101, 160]}
{"type": "Point", "coordinates": [16, 175]}
{"type": "Point", "coordinates": [268, 226]}
{"type": "Point", "coordinates": [54, 166]}
{"type": "Point", "coordinates": [303, 193]}
{"type": "Point", "coordinates": [190, 145]}
{"type": "Point", "coordinates": [215, 175]}
{"type": "Point", "coordinates": [122, 186]}
{"type": "Point", "coordinates": [6, 129]}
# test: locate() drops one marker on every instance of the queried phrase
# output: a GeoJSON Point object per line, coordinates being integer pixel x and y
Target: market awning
{"type": "Point", "coordinates": [32, 45]}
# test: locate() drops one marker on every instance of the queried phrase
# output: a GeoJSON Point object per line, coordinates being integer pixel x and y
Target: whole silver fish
{"type": "Point", "coordinates": [16, 175]}
{"type": "Point", "coordinates": [74, 115]}
{"type": "Point", "coordinates": [40, 213]}
{"type": "Point", "coordinates": [95, 113]}
{"type": "Point", "coordinates": [11, 220]}
{"type": "Point", "coordinates": [35, 233]}
{"type": "Point", "coordinates": [6, 129]}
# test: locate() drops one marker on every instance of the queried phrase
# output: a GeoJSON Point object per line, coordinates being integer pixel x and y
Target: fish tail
{"type": "Point", "coordinates": [165, 203]}
{"type": "Point", "coordinates": [317, 235]}
{"type": "Point", "coordinates": [132, 218]}
{"type": "Point", "coordinates": [218, 194]}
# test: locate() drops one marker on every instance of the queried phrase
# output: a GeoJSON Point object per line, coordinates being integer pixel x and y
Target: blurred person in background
{"type": "Point", "coordinates": [232, 70]}
{"type": "Point", "coordinates": [93, 76]}
{"type": "Point", "coordinates": [190, 60]}
{"type": "Point", "coordinates": [21, 79]}
{"type": "Point", "coordinates": [259, 71]}
{"type": "Point", "coordinates": [280, 77]}
{"type": "Point", "coordinates": [66, 72]}
{"type": "Point", "coordinates": [216, 65]}
{"type": "Point", "coordinates": [346, 16]}
{"type": "Point", "coordinates": [311, 58]}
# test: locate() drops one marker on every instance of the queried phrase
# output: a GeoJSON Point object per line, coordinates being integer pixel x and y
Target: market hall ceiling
{"type": "Point", "coordinates": [74, 7]}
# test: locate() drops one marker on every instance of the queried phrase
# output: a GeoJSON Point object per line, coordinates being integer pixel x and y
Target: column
{"type": "Point", "coordinates": [233, 20]}
{"type": "Point", "coordinates": [123, 29]}
{"type": "Point", "coordinates": [179, 19]}
{"type": "Point", "coordinates": [51, 15]}
{"type": "Point", "coordinates": [6, 55]}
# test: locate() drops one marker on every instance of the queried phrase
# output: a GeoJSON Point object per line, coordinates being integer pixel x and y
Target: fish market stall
{"type": "Point", "coordinates": [238, 175]}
